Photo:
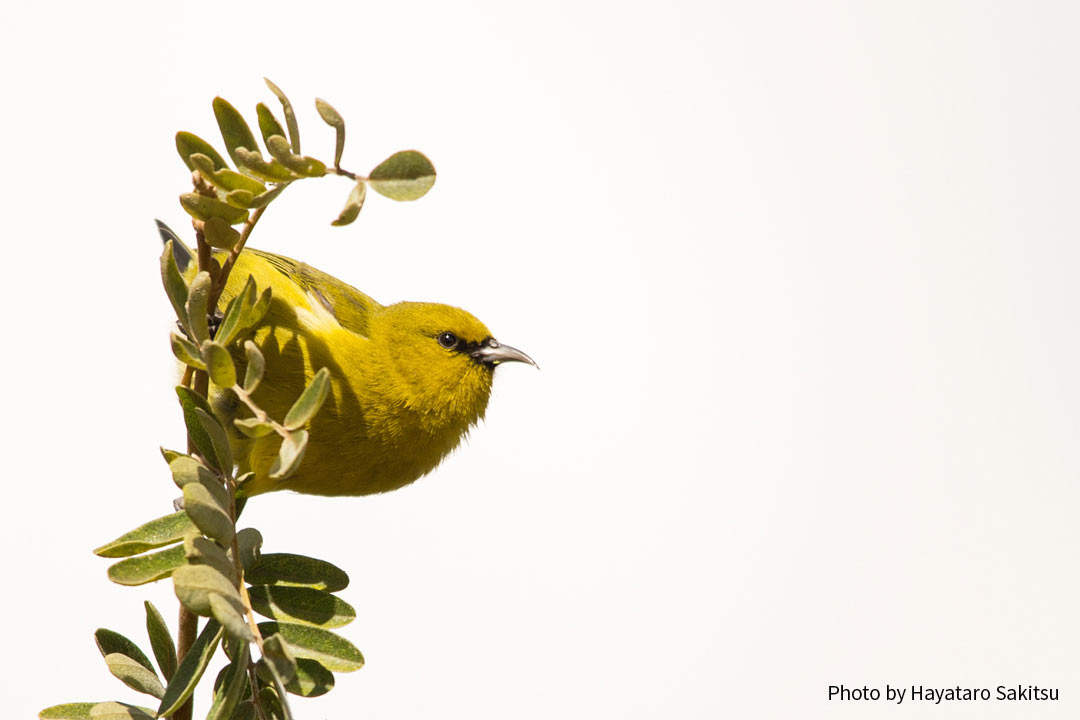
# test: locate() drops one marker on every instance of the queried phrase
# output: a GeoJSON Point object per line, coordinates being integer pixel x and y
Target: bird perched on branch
{"type": "Point", "coordinates": [408, 380]}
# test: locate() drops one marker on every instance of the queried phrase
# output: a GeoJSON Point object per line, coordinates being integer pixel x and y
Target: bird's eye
{"type": "Point", "coordinates": [447, 340]}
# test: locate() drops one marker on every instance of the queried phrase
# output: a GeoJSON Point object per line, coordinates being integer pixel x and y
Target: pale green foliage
{"type": "Point", "coordinates": [217, 569]}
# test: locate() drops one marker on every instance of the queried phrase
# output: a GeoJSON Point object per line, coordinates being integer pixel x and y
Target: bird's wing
{"type": "Point", "coordinates": [350, 307]}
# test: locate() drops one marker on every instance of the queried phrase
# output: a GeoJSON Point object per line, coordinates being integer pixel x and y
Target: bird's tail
{"type": "Point", "coordinates": [181, 252]}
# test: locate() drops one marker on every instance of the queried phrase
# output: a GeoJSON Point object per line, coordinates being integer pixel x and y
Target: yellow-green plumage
{"type": "Point", "coordinates": [399, 402]}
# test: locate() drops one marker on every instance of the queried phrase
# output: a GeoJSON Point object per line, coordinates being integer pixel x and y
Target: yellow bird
{"type": "Point", "coordinates": [408, 380]}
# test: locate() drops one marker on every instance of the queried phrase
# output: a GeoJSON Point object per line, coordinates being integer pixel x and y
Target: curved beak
{"type": "Point", "coordinates": [492, 353]}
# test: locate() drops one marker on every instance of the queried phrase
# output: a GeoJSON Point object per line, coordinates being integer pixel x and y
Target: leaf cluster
{"type": "Point", "coordinates": [218, 569]}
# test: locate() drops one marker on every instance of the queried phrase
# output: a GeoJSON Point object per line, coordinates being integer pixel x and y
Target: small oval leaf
{"type": "Point", "coordinates": [191, 669]}
{"type": "Point", "coordinates": [333, 118]}
{"type": "Point", "coordinates": [312, 679]}
{"type": "Point", "coordinates": [249, 542]}
{"type": "Point", "coordinates": [220, 234]}
{"type": "Point", "coordinates": [268, 124]}
{"type": "Point", "coordinates": [331, 650]}
{"type": "Point", "coordinates": [67, 711]}
{"type": "Point", "coordinates": [353, 204]}
{"type": "Point", "coordinates": [234, 684]}
{"type": "Point", "coordinates": [160, 641]}
{"type": "Point", "coordinates": [185, 351]}
{"type": "Point", "coordinates": [277, 657]}
{"type": "Point", "coordinates": [197, 308]}
{"type": "Point", "coordinates": [303, 605]}
{"type": "Point", "coordinates": [157, 533]}
{"type": "Point", "coordinates": [204, 551]}
{"type": "Point", "coordinates": [219, 364]}
{"type": "Point", "coordinates": [202, 207]}
{"type": "Point", "coordinates": [290, 116]}
{"type": "Point", "coordinates": [231, 616]}
{"type": "Point", "coordinates": [272, 171]}
{"type": "Point", "coordinates": [253, 427]}
{"type": "Point", "coordinates": [188, 144]}
{"type": "Point", "coordinates": [405, 175]}
{"type": "Point", "coordinates": [191, 401]}
{"type": "Point", "coordinates": [110, 642]}
{"type": "Point", "coordinates": [222, 452]}
{"type": "Point", "coordinates": [120, 711]}
{"type": "Point", "coordinates": [290, 455]}
{"type": "Point", "coordinates": [134, 675]}
{"type": "Point", "coordinates": [234, 130]}
{"type": "Point", "coordinates": [207, 514]}
{"type": "Point", "coordinates": [309, 401]}
{"type": "Point", "coordinates": [175, 287]}
{"type": "Point", "coordinates": [299, 164]}
{"type": "Point", "coordinates": [297, 571]}
{"type": "Point", "coordinates": [147, 568]}
{"type": "Point", "coordinates": [194, 583]}
{"type": "Point", "coordinates": [236, 313]}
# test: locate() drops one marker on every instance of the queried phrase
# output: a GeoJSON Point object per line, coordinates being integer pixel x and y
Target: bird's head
{"type": "Point", "coordinates": [442, 357]}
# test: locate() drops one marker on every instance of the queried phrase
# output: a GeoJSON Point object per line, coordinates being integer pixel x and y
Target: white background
{"type": "Point", "coordinates": [801, 278]}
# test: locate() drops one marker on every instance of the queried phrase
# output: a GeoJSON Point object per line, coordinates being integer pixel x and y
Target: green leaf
{"type": "Point", "coordinates": [256, 365]}
{"type": "Point", "coordinates": [147, 568]}
{"type": "Point", "coordinates": [169, 455]}
{"type": "Point", "coordinates": [110, 642]}
{"type": "Point", "coordinates": [234, 130]}
{"type": "Point", "coordinates": [220, 234]}
{"type": "Point", "coordinates": [249, 542]}
{"type": "Point", "coordinates": [253, 427]}
{"type": "Point", "coordinates": [272, 171]}
{"type": "Point", "coordinates": [224, 179]}
{"type": "Point", "coordinates": [185, 351]}
{"type": "Point", "coordinates": [297, 571]}
{"type": "Point", "coordinates": [263, 200]}
{"type": "Point", "coordinates": [262, 305]}
{"type": "Point", "coordinates": [191, 669]}
{"type": "Point", "coordinates": [202, 207]}
{"type": "Point", "coordinates": [278, 656]}
{"type": "Point", "coordinates": [204, 551]}
{"type": "Point", "coordinates": [330, 649]}
{"type": "Point", "coordinates": [160, 641]}
{"type": "Point", "coordinates": [219, 364]}
{"type": "Point", "coordinates": [134, 675]}
{"type": "Point", "coordinates": [231, 616]}
{"type": "Point", "coordinates": [154, 534]}
{"type": "Point", "coordinates": [67, 711]}
{"type": "Point", "coordinates": [197, 308]}
{"type": "Point", "coordinates": [352, 205]}
{"type": "Point", "coordinates": [405, 175]}
{"type": "Point", "coordinates": [198, 435]}
{"type": "Point", "coordinates": [301, 165]}
{"type": "Point", "coordinates": [188, 145]}
{"type": "Point", "coordinates": [236, 314]}
{"type": "Point", "coordinates": [194, 583]}
{"type": "Point", "coordinates": [222, 458]}
{"type": "Point", "coordinates": [175, 287]}
{"type": "Point", "coordinates": [290, 116]}
{"type": "Point", "coordinates": [240, 198]}
{"type": "Point", "coordinates": [120, 711]}
{"type": "Point", "coordinates": [269, 698]}
{"type": "Point", "coordinates": [186, 469]}
{"type": "Point", "coordinates": [268, 124]}
{"type": "Point", "coordinates": [311, 679]}
{"type": "Point", "coordinates": [333, 118]}
{"type": "Point", "coordinates": [189, 402]}
{"type": "Point", "coordinates": [290, 455]}
{"type": "Point", "coordinates": [207, 513]}
{"type": "Point", "coordinates": [303, 605]}
{"type": "Point", "coordinates": [234, 683]}
{"type": "Point", "coordinates": [309, 401]}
